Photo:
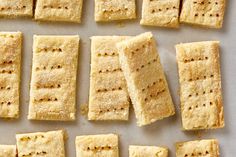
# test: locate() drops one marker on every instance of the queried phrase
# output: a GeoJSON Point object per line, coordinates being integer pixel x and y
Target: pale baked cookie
{"type": "Point", "coordinates": [110, 10]}
{"type": "Point", "coordinates": [198, 148]}
{"type": "Point", "coordinates": [108, 99]}
{"type": "Point", "coordinates": [163, 13]}
{"type": "Point", "coordinates": [10, 69]}
{"type": "Point", "coordinates": [7, 151]}
{"type": "Point", "coordinates": [145, 79]}
{"type": "Point", "coordinates": [53, 80]}
{"type": "Point", "coordinates": [200, 85]}
{"type": "Point", "coordinates": [15, 8]}
{"type": "Point", "coordinates": [48, 144]}
{"type": "Point", "coordinates": [59, 10]}
{"type": "Point", "coordinates": [147, 151]}
{"type": "Point", "coordinates": [97, 146]}
{"type": "Point", "coordinates": [207, 13]}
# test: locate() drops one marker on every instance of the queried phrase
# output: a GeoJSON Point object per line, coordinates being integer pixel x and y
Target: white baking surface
{"type": "Point", "coordinates": [165, 132]}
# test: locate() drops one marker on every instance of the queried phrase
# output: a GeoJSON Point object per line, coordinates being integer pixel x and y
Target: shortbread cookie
{"type": "Point", "coordinates": [53, 80]}
{"type": "Point", "coordinates": [15, 8]}
{"type": "Point", "coordinates": [147, 151]}
{"type": "Point", "coordinates": [59, 10]}
{"type": "Point", "coordinates": [7, 151]}
{"type": "Point", "coordinates": [10, 69]}
{"type": "Point", "coordinates": [160, 13]}
{"type": "Point", "coordinates": [200, 85]}
{"type": "Point", "coordinates": [145, 79]}
{"type": "Point", "coordinates": [50, 144]}
{"type": "Point", "coordinates": [110, 10]}
{"type": "Point", "coordinates": [207, 13]}
{"type": "Point", "coordinates": [109, 99]}
{"type": "Point", "coordinates": [198, 148]}
{"type": "Point", "coordinates": [97, 146]}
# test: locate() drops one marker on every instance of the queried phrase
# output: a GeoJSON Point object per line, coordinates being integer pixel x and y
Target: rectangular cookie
{"type": "Point", "coordinates": [198, 148]}
{"type": "Point", "coordinates": [206, 13]}
{"type": "Point", "coordinates": [15, 8]}
{"type": "Point", "coordinates": [10, 69]}
{"type": "Point", "coordinates": [147, 151]}
{"type": "Point", "coordinates": [59, 10]}
{"type": "Point", "coordinates": [53, 80]}
{"type": "Point", "coordinates": [50, 144]}
{"type": "Point", "coordinates": [200, 85]}
{"type": "Point", "coordinates": [97, 146]}
{"type": "Point", "coordinates": [145, 79]}
{"type": "Point", "coordinates": [160, 13]}
{"type": "Point", "coordinates": [111, 10]}
{"type": "Point", "coordinates": [108, 98]}
{"type": "Point", "coordinates": [7, 151]}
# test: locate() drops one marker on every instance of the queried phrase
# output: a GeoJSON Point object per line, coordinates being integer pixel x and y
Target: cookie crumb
{"type": "Point", "coordinates": [84, 109]}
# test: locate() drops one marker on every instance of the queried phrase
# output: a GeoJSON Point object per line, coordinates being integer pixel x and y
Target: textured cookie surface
{"type": "Point", "coordinates": [97, 146]}
{"type": "Point", "coordinates": [7, 151]}
{"type": "Point", "coordinates": [59, 10]}
{"type": "Point", "coordinates": [109, 10]}
{"type": "Point", "coordinates": [53, 80]}
{"type": "Point", "coordinates": [207, 13]}
{"type": "Point", "coordinates": [201, 148]}
{"type": "Point", "coordinates": [10, 67]}
{"type": "Point", "coordinates": [48, 144]}
{"type": "Point", "coordinates": [147, 151]}
{"type": "Point", "coordinates": [164, 13]}
{"type": "Point", "coordinates": [145, 79]}
{"type": "Point", "coordinates": [200, 85]}
{"type": "Point", "coordinates": [109, 99]}
{"type": "Point", "coordinates": [14, 8]}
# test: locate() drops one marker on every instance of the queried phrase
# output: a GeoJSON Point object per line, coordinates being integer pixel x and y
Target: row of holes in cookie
{"type": "Point", "coordinates": [151, 85]}
{"type": "Point", "coordinates": [5, 88]}
{"type": "Point", "coordinates": [50, 86]}
{"type": "Point", "coordinates": [154, 95]}
{"type": "Point", "coordinates": [165, 9]}
{"type": "Point", "coordinates": [195, 59]}
{"type": "Point", "coordinates": [203, 93]}
{"type": "Point", "coordinates": [197, 154]}
{"type": "Point", "coordinates": [105, 54]}
{"type": "Point", "coordinates": [149, 63]}
{"type": "Point", "coordinates": [108, 71]}
{"type": "Point", "coordinates": [32, 153]}
{"type": "Point", "coordinates": [202, 3]}
{"type": "Point", "coordinates": [6, 62]}
{"type": "Point", "coordinates": [6, 103]}
{"type": "Point", "coordinates": [111, 110]}
{"type": "Point", "coordinates": [211, 15]}
{"type": "Point", "coordinates": [200, 78]}
{"type": "Point", "coordinates": [99, 148]}
{"type": "Point", "coordinates": [12, 8]}
{"type": "Point", "coordinates": [159, 153]}
{"type": "Point", "coordinates": [6, 71]}
{"type": "Point", "coordinates": [106, 90]}
{"type": "Point", "coordinates": [55, 7]}
{"type": "Point", "coordinates": [140, 48]}
{"type": "Point", "coordinates": [46, 99]}
{"type": "Point", "coordinates": [114, 10]}
{"type": "Point", "coordinates": [47, 68]}
{"type": "Point", "coordinates": [27, 138]}
{"type": "Point", "coordinates": [203, 105]}
{"type": "Point", "coordinates": [6, 35]}
{"type": "Point", "coordinates": [49, 49]}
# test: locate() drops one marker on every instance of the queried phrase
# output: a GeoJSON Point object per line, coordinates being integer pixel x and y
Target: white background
{"type": "Point", "coordinates": [161, 133]}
